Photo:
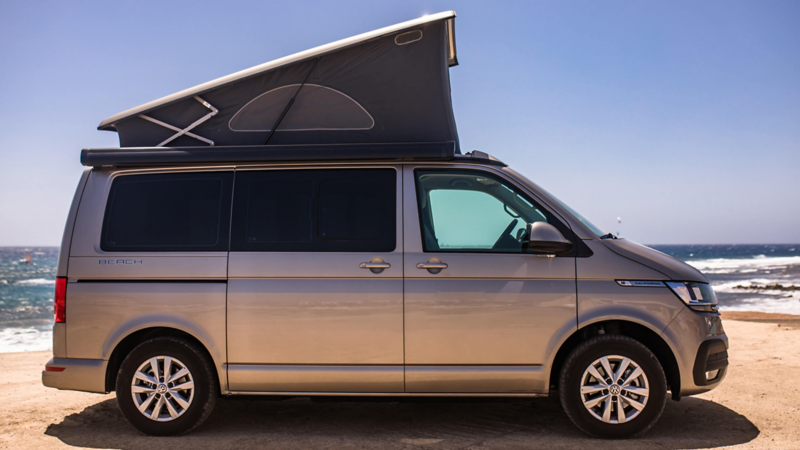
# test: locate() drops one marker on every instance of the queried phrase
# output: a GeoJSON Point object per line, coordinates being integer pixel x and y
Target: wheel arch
{"type": "Point", "coordinates": [132, 340]}
{"type": "Point", "coordinates": [643, 334]}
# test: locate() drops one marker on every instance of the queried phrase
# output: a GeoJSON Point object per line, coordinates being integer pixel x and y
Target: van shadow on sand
{"type": "Point", "coordinates": [254, 422]}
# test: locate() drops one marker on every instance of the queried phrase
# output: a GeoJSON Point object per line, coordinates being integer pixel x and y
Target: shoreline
{"type": "Point", "coordinates": [762, 317]}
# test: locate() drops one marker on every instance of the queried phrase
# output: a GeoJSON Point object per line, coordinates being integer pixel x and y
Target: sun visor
{"type": "Point", "coordinates": [389, 85]}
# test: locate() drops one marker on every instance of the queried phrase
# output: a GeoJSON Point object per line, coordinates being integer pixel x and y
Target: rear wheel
{"type": "Point", "coordinates": [613, 386]}
{"type": "Point", "coordinates": [166, 386]}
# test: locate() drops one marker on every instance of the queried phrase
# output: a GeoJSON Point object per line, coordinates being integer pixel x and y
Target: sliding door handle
{"type": "Point", "coordinates": [375, 265]}
{"type": "Point", "coordinates": [370, 265]}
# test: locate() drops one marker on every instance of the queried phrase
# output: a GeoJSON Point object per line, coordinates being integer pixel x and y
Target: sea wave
{"type": "Point", "coordinates": [35, 282]}
{"type": "Point", "coordinates": [758, 283]}
{"type": "Point", "coordinates": [748, 265]}
{"type": "Point", "coordinates": [740, 296]}
{"type": "Point", "coordinates": [748, 285]}
{"type": "Point", "coordinates": [25, 339]}
{"type": "Point", "coordinates": [767, 305]}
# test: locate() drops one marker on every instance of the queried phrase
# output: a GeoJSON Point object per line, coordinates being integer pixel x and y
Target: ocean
{"type": "Point", "coordinates": [764, 277]}
{"type": "Point", "coordinates": [26, 298]}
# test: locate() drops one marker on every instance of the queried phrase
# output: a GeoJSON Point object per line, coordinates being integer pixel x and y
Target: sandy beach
{"type": "Point", "coordinates": [758, 406]}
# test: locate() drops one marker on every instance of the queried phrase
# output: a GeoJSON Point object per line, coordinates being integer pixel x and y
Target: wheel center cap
{"type": "Point", "coordinates": [614, 389]}
{"type": "Point", "coordinates": [161, 389]}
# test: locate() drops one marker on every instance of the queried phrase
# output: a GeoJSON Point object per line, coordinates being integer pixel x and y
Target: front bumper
{"type": "Point", "coordinates": [88, 375]}
{"type": "Point", "coordinates": [700, 345]}
{"type": "Point", "coordinates": [711, 362]}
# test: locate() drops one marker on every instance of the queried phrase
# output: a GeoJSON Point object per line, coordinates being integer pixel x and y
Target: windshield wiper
{"type": "Point", "coordinates": [608, 236]}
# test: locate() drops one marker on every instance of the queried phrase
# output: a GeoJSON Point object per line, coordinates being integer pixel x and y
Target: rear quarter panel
{"type": "Point", "coordinates": [101, 314]}
{"type": "Point", "coordinates": [113, 294]}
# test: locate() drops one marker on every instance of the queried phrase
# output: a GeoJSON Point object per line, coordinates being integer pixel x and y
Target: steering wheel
{"type": "Point", "coordinates": [506, 232]}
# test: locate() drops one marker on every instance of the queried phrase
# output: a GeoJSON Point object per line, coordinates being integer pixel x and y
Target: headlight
{"type": "Point", "coordinates": [698, 296]}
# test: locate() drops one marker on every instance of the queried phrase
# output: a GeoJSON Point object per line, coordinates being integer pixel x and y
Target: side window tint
{"type": "Point", "coordinates": [168, 212]}
{"type": "Point", "coordinates": [315, 211]}
{"type": "Point", "coordinates": [350, 209]}
{"type": "Point", "coordinates": [472, 211]}
{"type": "Point", "coordinates": [279, 210]}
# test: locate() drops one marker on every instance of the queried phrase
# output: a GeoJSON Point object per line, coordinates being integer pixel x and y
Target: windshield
{"type": "Point", "coordinates": [589, 225]}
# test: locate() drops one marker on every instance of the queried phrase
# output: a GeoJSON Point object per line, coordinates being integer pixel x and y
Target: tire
{"type": "Point", "coordinates": [590, 414]}
{"type": "Point", "coordinates": [179, 410]}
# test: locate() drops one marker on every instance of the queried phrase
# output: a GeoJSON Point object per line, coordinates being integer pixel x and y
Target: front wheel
{"type": "Point", "coordinates": [612, 386]}
{"type": "Point", "coordinates": [166, 386]}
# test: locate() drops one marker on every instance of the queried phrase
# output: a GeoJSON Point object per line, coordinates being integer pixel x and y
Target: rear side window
{"type": "Point", "coordinates": [315, 211]}
{"type": "Point", "coordinates": [168, 212]}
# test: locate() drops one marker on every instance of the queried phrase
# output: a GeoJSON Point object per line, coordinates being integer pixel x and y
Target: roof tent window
{"type": "Point", "coordinates": [339, 210]}
{"type": "Point", "coordinates": [315, 108]}
{"type": "Point", "coordinates": [168, 212]}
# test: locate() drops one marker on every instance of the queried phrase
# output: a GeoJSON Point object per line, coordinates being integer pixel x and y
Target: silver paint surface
{"type": "Point", "coordinates": [315, 321]}
{"type": "Point", "coordinates": [600, 300]}
{"type": "Point", "coordinates": [474, 379]}
{"type": "Point", "coordinates": [316, 378]}
{"type": "Point", "coordinates": [668, 265]}
{"type": "Point", "coordinates": [87, 375]}
{"type": "Point", "coordinates": [607, 265]}
{"type": "Point", "coordinates": [101, 314]}
{"type": "Point", "coordinates": [69, 226]}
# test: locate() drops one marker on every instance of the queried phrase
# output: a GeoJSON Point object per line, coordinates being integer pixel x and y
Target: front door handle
{"type": "Point", "coordinates": [375, 265]}
{"type": "Point", "coordinates": [434, 265]}
{"type": "Point", "coordinates": [439, 266]}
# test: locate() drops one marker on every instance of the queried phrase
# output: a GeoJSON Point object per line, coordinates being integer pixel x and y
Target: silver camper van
{"type": "Point", "coordinates": [310, 227]}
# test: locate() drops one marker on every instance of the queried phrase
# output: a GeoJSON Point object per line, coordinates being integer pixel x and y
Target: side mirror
{"type": "Point", "coordinates": [545, 238]}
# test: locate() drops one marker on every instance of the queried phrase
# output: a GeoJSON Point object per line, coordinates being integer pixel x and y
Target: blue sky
{"type": "Point", "coordinates": [682, 118]}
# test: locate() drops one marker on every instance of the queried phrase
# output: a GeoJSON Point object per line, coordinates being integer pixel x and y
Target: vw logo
{"type": "Point", "coordinates": [614, 389]}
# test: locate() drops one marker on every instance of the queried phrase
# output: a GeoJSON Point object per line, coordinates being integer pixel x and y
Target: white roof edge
{"type": "Point", "coordinates": [316, 51]}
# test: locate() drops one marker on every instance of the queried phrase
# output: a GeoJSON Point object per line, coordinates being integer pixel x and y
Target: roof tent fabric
{"type": "Point", "coordinates": [389, 85]}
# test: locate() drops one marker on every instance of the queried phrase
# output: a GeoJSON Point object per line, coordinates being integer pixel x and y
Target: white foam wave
{"type": "Point", "coordinates": [731, 286]}
{"type": "Point", "coordinates": [767, 305]}
{"type": "Point", "coordinates": [761, 262]}
{"type": "Point", "coordinates": [35, 282]}
{"type": "Point", "coordinates": [25, 339]}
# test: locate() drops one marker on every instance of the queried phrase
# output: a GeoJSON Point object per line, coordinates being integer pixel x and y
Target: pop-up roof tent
{"type": "Point", "coordinates": [387, 86]}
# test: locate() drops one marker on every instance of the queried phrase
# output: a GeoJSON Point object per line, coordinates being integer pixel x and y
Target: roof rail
{"type": "Point", "coordinates": [158, 156]}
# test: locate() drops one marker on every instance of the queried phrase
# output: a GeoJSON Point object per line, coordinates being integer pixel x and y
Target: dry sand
{"type": "Point", "coordinates": [758, 406]}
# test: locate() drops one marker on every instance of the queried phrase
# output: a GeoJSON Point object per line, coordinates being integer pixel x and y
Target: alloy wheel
{"type": "Point", "coordinates": [614, 389]}
{"type": "Point", "coordinates": [162, 388]}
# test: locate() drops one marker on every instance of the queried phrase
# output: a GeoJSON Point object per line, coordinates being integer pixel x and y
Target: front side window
{"type": "Point", "coordinates": [343, 210]}
{"type": "Point", "coordinates": [168, 212]}
{"type": "Point", "coordinates": [473, 211]}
